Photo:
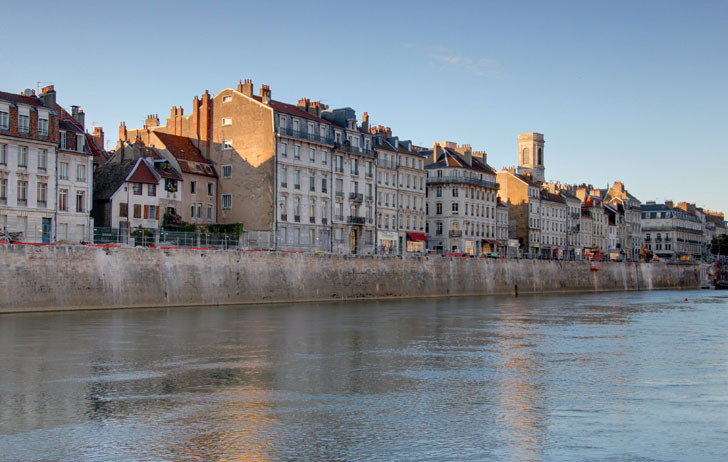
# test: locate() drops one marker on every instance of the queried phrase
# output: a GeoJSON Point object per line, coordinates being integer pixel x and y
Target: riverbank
{"type": "Point", "coordinates": [78, 277]}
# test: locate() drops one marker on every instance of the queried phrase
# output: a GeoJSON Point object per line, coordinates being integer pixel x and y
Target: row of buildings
{"type": "Point", "coordinates": [306, 177]}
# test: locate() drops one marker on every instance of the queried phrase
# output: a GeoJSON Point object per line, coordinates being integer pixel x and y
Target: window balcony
{"type": "Point", "coordinates": [3, 200]}
{"type": "Point", "coordinates": [324, 221]}
{"type": "Point", "coordinates": [455, 233]}
{"type": "Point", "coordinates": [339, 217]}
{"type": "Point", "coordinates": [354, 150]}
{"type": "Point", "coordinates": [355, 220]}
{"type": "Point", "coordinates": [356, 197]}
{"type": "Point", "coordinates": [22, 201]}
{"type": "Point", "coordinates": [312, 219]}
{"type": "Point", "coordinates": [339, 193]}
{"type": "Point", "coordinates": [297, 218]}
{"type": "Point", "coordinates": [370, 198]}
{"type": "Point", "coordinates": [284, 185]}
{"type": "Point", "coordinates": [284, 217]}
{"type": "Point", "coordinates": [42, 204]}
{"type": "Point", "coordinates": [296, 186]}
{"type": "Point", "coordinates": [306, 136]}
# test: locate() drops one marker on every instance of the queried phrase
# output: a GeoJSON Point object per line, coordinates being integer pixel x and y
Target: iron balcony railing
{"type": "Point", "coordinates": [455, 233]}
{"type": "Point", "coordinates": [301, 135]}
{"type": "Point", "coordinates": [356, 220]}
{"type": "Point", "coordinates": [354, 150]}
{"type": "Point", "coordinates": [462, 180]}
{"type": "Point", "coordinates": [284, 217]}
{"type": "Point", "coordinates": [356, 197]}
{"type": "Point", "coordinates": [339, 193]}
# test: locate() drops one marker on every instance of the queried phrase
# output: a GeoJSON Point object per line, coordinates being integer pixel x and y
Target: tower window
{"type": "Point", "coordinates": [540, 156]}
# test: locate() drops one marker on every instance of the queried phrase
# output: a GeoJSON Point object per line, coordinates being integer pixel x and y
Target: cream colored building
{"type": "Point", "coordinates": [461, 201]}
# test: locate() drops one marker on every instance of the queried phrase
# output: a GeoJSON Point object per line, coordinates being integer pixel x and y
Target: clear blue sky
{"type": "Point", "coordinates": [634, 91]}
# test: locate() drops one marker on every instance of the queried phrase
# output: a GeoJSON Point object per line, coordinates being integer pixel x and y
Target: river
{"type": "Point", "coordinates": [610, 376]}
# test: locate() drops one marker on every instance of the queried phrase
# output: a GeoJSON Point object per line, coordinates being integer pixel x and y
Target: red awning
{"type": "Point", "coordinates": [417, 237]}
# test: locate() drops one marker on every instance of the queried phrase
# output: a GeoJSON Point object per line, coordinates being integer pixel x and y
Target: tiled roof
{"type": "Point", "coordinates": [450, 158]}
{"type": "Point", "coordinates": [109, 177]}
{"type": "Point", "coordinates": [20, 99]}
{"type": "Point", "coordinates": [164, 170]}
{"type": "Point", "coordinates": [545, 195]}
{"type": "Point", "coordinates": [142, 173]}
{"type": "Point", "coordinates": [181, 147]}
{"type": "Point", "coordinates": [69, 126]}
{"type": "Point", "coordinates": [526, 180]}
{"type": "Point", "coordinates": [293, 110]}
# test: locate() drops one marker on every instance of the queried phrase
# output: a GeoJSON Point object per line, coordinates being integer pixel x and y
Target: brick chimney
{"type": "Point", "coordinates": [246, 87]}
{"type": "Point", "coordinates": [365, 122]}
{"type": "Point", "coordinates": [48, 97]}
{"type": "Point", "coordinates": [78, 115]}
{"type": "Point", "coordinates": [315, 108]}
{"type": "Point", "coordinates": [265, 94]}
{"type": "Point", "coordinates": [122, 132]}
{"type": "Point", "coordinates": [98, 137]}
{"type": "Point", "coordinates": [175, 120]}
{"type": "Point", "coordinates": [205, 121]}
{"type": "Point", "coordinates": [303, 104]}
{"type": "Point", "coordinates": [151, 121]}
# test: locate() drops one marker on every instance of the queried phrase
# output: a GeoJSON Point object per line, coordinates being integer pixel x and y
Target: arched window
{"type": "Point", "coordinates": [524, 156]}
{"type": "Point", "coordinates": [540, 156]}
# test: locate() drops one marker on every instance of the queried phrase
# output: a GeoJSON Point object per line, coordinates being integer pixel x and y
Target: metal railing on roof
{"type": "Point", "coordinates": [301, 135]}
{"type": "Point", "coordinates": [462, 180]}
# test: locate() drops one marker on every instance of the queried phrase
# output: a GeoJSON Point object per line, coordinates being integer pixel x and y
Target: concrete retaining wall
{"type": "Point", "coordinates": [76, 277]}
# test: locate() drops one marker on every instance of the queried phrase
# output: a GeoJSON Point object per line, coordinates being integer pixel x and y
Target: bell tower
{"type": "Point", "coordinates": [530, 155]}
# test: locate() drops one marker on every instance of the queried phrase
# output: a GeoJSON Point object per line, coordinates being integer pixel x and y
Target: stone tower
{"type": "Point", "coordinates": [530, 155]}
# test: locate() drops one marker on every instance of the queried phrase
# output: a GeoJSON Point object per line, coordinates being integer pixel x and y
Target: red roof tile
{"type": "Point", "coordinates": [21, 99]}
{"type": "Point", "coordinates": [142, 173]}
{"type": "Point", "coordinates": [294, 110]}
{"type": "Point", "coordinates": [181, 147]}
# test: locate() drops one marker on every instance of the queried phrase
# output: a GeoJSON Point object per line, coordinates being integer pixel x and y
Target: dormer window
{"type": "Point", "coordinates": [64, 140]}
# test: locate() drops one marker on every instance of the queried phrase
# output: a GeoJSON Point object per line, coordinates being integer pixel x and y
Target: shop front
{"type": "Point", "coordinates": [416, 243]}
{"type": "Point", "coordinates": [387, 242]}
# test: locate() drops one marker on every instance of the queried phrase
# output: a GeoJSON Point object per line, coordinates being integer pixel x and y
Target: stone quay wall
{"type": "Point", "coordinates": [76, 277]}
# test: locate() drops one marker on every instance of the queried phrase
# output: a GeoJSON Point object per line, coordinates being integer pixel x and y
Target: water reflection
{"type": "Point", "coordinates": [527, 378]}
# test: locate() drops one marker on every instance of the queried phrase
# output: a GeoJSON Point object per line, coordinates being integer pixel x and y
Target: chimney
{"type": "Point", "coordinates": [122, 132]}
{"type": "Point", "coordinates": [175, 120]}
{"type": "Point", "coordinates": [265, 94]}
{"type": "Point", "coordinates": [205, 128]}
{"type": "Point", "coordinates": [98, 137]}
{"type": "Point", "coordinates": [315, 108]}
{"type": "Point", "coordinates": [365, 122]}
{"type": "Point", "coordinates": [303, 104]}
{"type": "Point", "coordinates": [48, 97]}
{"type": "Point", "coordinates": [246, 87]}
{"type": "Point", "coordinates": [77, 113]}
{"type": "Point", "coordinates": [436, 151]}
{"type": "Point", "coordinates": [151, 121]}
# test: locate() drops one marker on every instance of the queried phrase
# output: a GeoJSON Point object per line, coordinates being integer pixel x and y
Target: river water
{"type": "Point", "coordinates": [613, 376]}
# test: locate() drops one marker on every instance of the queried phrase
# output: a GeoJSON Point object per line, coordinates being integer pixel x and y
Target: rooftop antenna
{"type": "Point", "coordinates": [38, 84]}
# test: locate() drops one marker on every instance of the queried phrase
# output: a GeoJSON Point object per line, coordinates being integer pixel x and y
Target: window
{"type": "Point", "coordinates": [136, 189]}
{"type": "Point", "coordinates": [210, 189]}
{"type": "Point", "coordinates": [3, 154]}
{"type": "Point", "coordinates": [22, 156]}
{"type": "Point", "coordinates": [323, 157]}
{"type": "Point", "coordinates": [63, 200]}
{"type": "Point", "coordinates": [137, 210]}
{"type": "Point", "coordinates": [438, 208]}
{"type": "Point", "coordinates": [284, 150]}
{"type": "Point", "coordinates": [193, 187]}
{"type": "Point", "coordinates": [312, 154]}
{"type": "Point", "coordinates": [227, 201]}
{"type": "Point", "coordinates": [42, 126]}
{"type": "Point", "coordinates": [227, 145]}
{"type": "Point", "coordinates": [4, 120]}
{"type": "Point", "coordinates": [227, 121]}
{"type": "Point", "coordinates": [455, 192]}
{"type": "Point", "coordinates": [284, 177]}
{"type": "Point", "coordinates": [312, 182]}
{"type": "Point", "coordinates": [63, 171]}
{"type": "Point", "coordinates": [81, 173]}
{"type": "Point", "coordinates": [324, 182]}
{"type": "Point", "coordinates": [123, 210]}
{"type": "Point", "coordinates": [80, 203]}
{"type": "Point", "coordinates": [340, 164]}
{"type": "Point", "coordinates": [439, 228]}
{"type": "Point", "coordinates": [438, 191]}
{"type": "Point", "coordinates": [297, 179]}
{"type": "Point", "coordinates": [22, 192]}
{"type": "Point", "coordinates": [23, 122]}
{"type": "Point", "coordinates": [296, 152]}
{"type": "Point", "coordinates": [209, 212]}
{"type": "Point", "coordinates": [152, 190]}
{"type": "Point", "coordinates": [455, 206]}
{"type": "Point", "coordinates": [199, 210]}
{"type": "Point", "coordinates": [170, 185]}
{"type": "Point", "coordinates": [227, 171]}
{"type": "Point", "coordinates": [354, 167]}
{"type": "Point", "coordinates": [3, 189]}
{"type": "Point", "coordinates": [42, 159]}
{"type": "Point", "coordinates": [227, 99]}
{"type": "Point", "coordinates": [42, 194]}
{"type": "Point", "coordinates": [80, 143]}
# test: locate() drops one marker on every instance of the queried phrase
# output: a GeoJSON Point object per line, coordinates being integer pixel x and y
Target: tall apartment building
{"type": "Point", "coordinates": [400, 194]}
{"type": "Point", "coordinates": [629, 232]}
{"type": "Point", "coordinates": [461, 200]}
{"type": "Point", "coordinates": [670, 232]}
{"type": "Point", "coordinates": [554, 211]}
{"type": "Point", "coordinates": [45, 169]}
{"type": "Point", "coordinates": [297, 176]}
{"type": "Point", "coordinates": [523, 197]}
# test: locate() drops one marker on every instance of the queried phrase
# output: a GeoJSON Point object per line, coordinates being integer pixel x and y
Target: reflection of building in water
{"type": "Point", "coordinates": [518, 387]}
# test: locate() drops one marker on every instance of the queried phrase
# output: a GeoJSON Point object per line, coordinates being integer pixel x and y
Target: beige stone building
{"type": "Point", "coordinates": [400, 194]}
{"type": "Point", "coordinates": [523, 197]}
{"type": "Point", "coordinates": [461, 200]}
{"type": "Point", "coordinates": [629, 230]}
